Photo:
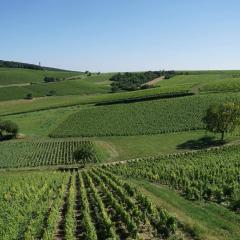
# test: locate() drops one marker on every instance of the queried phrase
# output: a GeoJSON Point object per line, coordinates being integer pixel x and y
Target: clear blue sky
{"type": "Point", "coordinates": [122, 35]}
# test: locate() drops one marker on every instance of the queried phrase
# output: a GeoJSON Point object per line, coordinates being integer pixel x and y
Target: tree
{"type": "Point", "coordinates": [85, 153]}
{"type": "Point", "coordinates": [222, 118]}
{"type": "Point", "coordinates": [8, 128]}
{"type": "Point", "coordinates": [29, 96]}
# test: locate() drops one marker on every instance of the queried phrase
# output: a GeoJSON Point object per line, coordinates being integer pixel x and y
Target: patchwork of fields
{"type": "Point", "coordinates": [145, 137]}
{"type": "Point", "coordinates": [70, 83]}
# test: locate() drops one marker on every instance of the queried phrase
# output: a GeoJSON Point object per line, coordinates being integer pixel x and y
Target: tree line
{"type": "Point", "coordinates": [11, 64]}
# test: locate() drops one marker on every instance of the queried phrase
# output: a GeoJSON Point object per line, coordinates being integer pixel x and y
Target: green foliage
{"type": "Point", "coordinates": [8, 128]}
{"type": "Point", "coordinates": [133, 81]}
{"type": "Point", "coordinates": [95, 202]}
{"type": "Point", "coordinates": [20, 194]}
{"type": "Point", "coordinates": [222, 118]}
{"type": "Point", "coordinates": [86, 153]}
{"type": "Point", "coordinates": [51, 79]}
{"type": "Point", "coordinates": [211, 175]}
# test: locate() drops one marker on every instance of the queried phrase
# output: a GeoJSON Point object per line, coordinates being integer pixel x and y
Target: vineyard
{"type": "Point", "coordinates": [204, 175]}
{"type": "Point", "coordinates": [35, 153]}
{"type": "Point", "coordinates": [91, 204]}
{"type": "Point", "coordinates": [142, 118]}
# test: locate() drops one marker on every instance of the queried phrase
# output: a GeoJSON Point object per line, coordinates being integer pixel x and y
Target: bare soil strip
{"type": "Point", "coordinates": [60, 233]}
{"type": "Point", "coordinates": [154, 81]}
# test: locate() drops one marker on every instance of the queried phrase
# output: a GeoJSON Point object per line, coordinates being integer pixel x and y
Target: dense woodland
{"type": "Point", "coordinates": [133, 81]}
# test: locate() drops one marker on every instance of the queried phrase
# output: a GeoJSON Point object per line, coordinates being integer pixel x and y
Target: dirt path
{"type": "Point", "coordinates": [110, 148]}
{"type": "Point", "coordinates": [154, 81]}
{"type": "Point", "coordinates": [60, 233]}
{"type": "Point", "coordinates": [78, 215]}
{"type": "Point", "coordinates": [218, 222]}
{"type": "Point", "coordinates": [15, 85]}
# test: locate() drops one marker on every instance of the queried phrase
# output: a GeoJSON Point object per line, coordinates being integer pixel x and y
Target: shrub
{"type": "Point", "coordinates": [29, 96]}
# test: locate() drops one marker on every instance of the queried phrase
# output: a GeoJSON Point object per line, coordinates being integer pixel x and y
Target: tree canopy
{"type": "Point", "coordinates": [8, 129]}
{"type": "Point", "coordinates": [222, 118]}
{"type": "Point", "coordinates": [85, 154]}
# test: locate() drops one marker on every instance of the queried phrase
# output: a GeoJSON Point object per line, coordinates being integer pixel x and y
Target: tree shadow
{"type": "Point", "coordinates": [6, 137]}
{"type": "Point", "coordinates": [201, 143]}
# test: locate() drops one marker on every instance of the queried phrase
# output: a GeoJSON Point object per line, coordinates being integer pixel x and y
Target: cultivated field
{"type": "Point", "coordinates": [88, 205]}
{"type": "Point", "coordinates": [148, 117]}
{"type": "Point", "coordinates": [43, 153]}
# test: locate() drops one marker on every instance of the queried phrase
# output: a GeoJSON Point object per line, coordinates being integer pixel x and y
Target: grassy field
{"type": "Point", "coordinates": [143, 118]}
{"type": "Point", "coordinates": [10, 76]}
{"type": "Point", "coordinates": [128, 147]}
{"type": "Point", "coordinates": [86, 85]}
{"type": "Point", "coordinates": [36, 124]}
{"type": "Point", "coordinates": [206, 81]}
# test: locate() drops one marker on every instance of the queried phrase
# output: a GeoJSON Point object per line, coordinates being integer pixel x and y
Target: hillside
{"type": "Point", "coordinates": [154, 172]}
{"type": "Point", "coordinates": [16, 83]}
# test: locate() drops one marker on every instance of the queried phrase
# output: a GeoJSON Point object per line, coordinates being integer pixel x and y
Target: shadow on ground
{"type": "Point", "coordinates": [201, 143]}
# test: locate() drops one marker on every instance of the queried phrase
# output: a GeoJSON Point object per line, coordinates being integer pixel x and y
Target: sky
{"type": "Point", "coordinates": [122, 35]}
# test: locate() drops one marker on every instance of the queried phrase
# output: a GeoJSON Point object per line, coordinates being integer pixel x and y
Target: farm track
{"type": "Point", "coordinates": [15, 85]}
{"type": "Point", "coordinates": [237, 142]}
{"type": "Point", "coordinates": [73, 167]}
{"type": "Point", "coordinates": [60, 233]}
{"type": "Point", "coordinates": [154, 81]}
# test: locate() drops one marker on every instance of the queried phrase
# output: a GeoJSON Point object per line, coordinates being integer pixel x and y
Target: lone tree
{"type": "Point", "coordinates": [8, 129]}
{"type": "Point", "coordinates": [222, 118]}
{"type": "Point", "coordinates": [85, 154]}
